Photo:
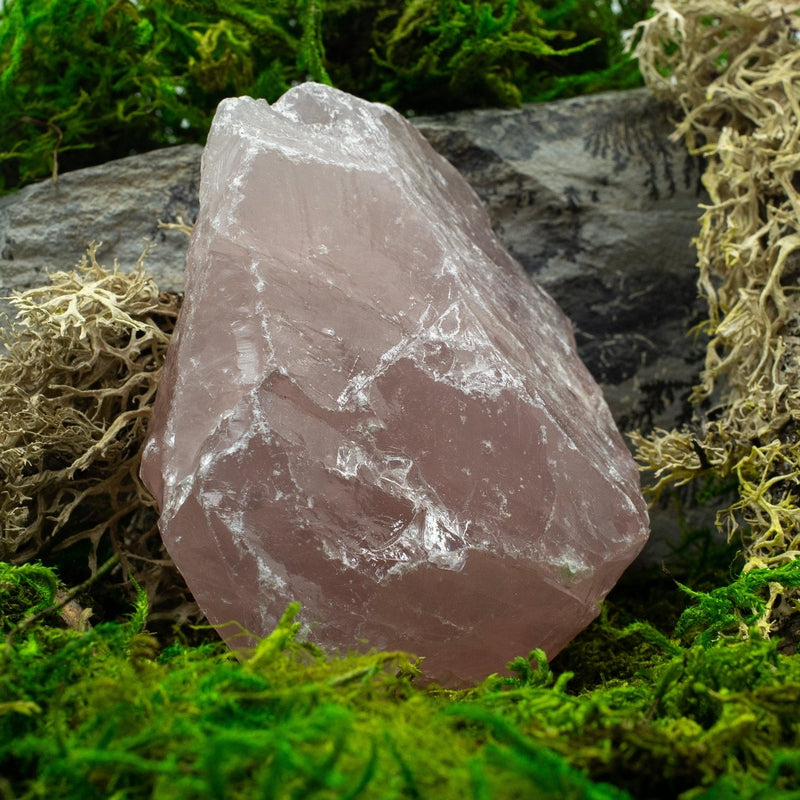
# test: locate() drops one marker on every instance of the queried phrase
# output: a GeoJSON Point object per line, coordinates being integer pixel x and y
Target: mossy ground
{"type": "Point", "coordinates": [627, 711]}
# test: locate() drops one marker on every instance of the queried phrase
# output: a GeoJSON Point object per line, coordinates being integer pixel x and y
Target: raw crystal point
{"type": "Point", "coordinates": [367, 407]}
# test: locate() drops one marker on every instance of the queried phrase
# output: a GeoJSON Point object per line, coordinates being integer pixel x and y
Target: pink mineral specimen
{"type": "Point", "coordinates": [367, 407]}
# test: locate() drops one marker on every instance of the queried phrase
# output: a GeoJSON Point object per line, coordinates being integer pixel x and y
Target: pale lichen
{"type": "Point", "coordinates": [734, 68]}
{"type": "Point", "coordinates": [77, 383]}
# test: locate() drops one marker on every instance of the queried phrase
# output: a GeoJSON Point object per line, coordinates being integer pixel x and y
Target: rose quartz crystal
{"type": "Point", "coordinates": [367, 406]}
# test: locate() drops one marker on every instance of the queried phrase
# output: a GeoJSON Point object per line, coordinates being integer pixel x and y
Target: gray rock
{"type": "Point", "coordinates": [600, 207]}
{"type": "Point", "coordinates": [46, 226]}
{"type": "Point", "coordinates": [589, 194]}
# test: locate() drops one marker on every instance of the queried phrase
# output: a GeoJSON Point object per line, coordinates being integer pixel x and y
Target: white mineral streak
{"type": "Point", "coordinates": [368, 408]}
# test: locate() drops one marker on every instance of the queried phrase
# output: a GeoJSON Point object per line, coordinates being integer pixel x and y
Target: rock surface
{"type": "Point", "coordinates": [47, 226]}
{"type": "Point", "coordinates": [588, 194]}
{"type": "Point", "coordinates": [367, 407]}
{"type": "Point", "coordinates": [600, 207]}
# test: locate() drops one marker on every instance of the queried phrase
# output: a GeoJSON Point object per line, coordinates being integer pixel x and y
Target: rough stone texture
{"type": "Point", "coordinates": [588, 194]}
{"type": "Point", "coordinates": [599, 207]}
{"type": "Point", "coordinates": [47, 226]}
{"type": "Point", "coordinates": [369, 408]}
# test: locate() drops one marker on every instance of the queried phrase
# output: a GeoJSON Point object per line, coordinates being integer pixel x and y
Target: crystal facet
{"type": "Point", "coordinates": [367, 406]}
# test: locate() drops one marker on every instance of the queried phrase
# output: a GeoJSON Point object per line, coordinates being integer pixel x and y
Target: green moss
{"type": "Point", "coordinates": [26, 589]}
{"type": "Point", "coordinates": [437, 56]}
{"type": "Point", "coordinates": [85, 81]}
{"type": "Point", "coordinates": [604, 64]}
{"type": "Point", "coordinates": [107, 713]}
{"type": "Point", "coordinates": [739, 606]}
{"type": "Point", "coordinates": [97, 713]}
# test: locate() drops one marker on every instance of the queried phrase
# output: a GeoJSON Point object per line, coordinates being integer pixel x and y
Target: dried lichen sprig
{"type": "Point", "coordinates": [734, 67]}
{"type": "Point", "coordinates": [76, 389]}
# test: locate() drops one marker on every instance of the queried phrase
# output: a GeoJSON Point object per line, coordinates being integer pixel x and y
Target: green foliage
{"type": "Point", "coordinates": [605, 64]}
{"type": "Point", "coordinates": [95, 714]}
{"type": "Point", "coordinates": [701, 559]}
{"type": "Point", "coordinates": [79, 75]}
{"type": "Point", "coordinates": [452, 54]}
{"type": "Point", "coordinates": [85, 81]}
{"type": "Point", "coordinates": [26, 589]}
{"type": "Point", "coordinates": [739, 606]}
{"type": "Point", "coordinates": [106, 713]}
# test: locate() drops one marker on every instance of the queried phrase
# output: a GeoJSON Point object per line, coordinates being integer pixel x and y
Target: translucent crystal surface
{"type": "Point", "coordinates": [367, 406]}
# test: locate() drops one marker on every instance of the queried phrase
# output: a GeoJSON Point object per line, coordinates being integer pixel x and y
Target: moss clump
{"type": "Point", "coordinates": [450, 54]}
{"type": "Point", "coordinates": [107, 712]}
{"type": "Point", "coordinates": [26, 589]}
{"type": "Point", "coordinates": [735, 70]}
{"type": "Point", "coordinates": [603, 65]}
{"type": "Point", "coordinates": [85, 81]}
